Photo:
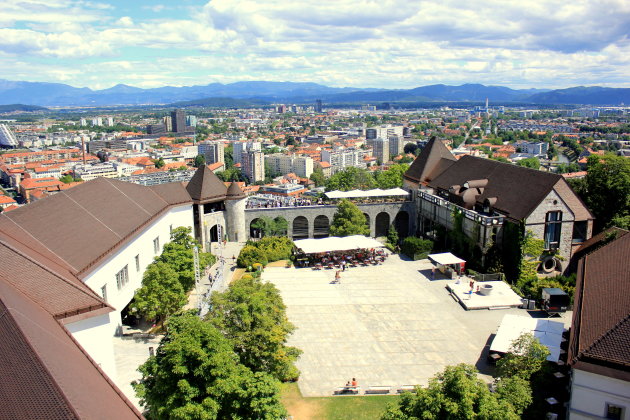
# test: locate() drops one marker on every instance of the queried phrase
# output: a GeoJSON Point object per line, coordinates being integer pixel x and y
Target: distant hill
{"type": "Point", "coordinates": [260, 92]}
{"type": "Point", "coordinates": [21, 107]}
{"type": "Point", "coordinates": [219, 103]}
{"type": "Point", "coordinates": [583, 95]}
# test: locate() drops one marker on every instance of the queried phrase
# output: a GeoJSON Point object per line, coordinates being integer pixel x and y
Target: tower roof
{"type": "Point", "coordinates": [206, 187]}
{"type": "Point", "coordinates": [431, 162]}
{"type": "Point", "coordinates": [235, 192]}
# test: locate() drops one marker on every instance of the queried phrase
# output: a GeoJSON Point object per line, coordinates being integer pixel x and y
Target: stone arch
{"type": "Point", "coordinates": [401, 222]}
{"type": "Point", "coordinates": [381, 224]}
{"type": "Point", "coordinates": [367, 218]}
{"type": "Point", "coordinates": [213, 233]}
{"type": "Point", "coordinates": [300, 227]}
{"type": "Point", "coordinates": [321, 226]}
{"type": "Point", "coordinates": [282, 232]}
{"type": "Point", "coordinates": [255, 232]}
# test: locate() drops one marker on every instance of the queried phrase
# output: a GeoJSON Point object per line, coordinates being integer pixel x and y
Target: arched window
{"type": "Point", "coordinates": [553, 227]}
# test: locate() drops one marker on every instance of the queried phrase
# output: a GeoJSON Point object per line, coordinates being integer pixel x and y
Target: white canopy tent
{"type": "Point", "coordinates": [445, 258]}
{"type": "Point", "coordinates": [314, 246]}
{"type": "Point", "coordinates": [392, 192]}
{"type": "Point", "coordinates": [549, 333]}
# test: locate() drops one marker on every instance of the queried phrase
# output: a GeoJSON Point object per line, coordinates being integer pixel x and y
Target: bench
{"type": "Point", "coordinates": [407, 388]}
{"type": "Point", "coordinates": [378, 390]}
{"type": "Point", "coordinates": [347, 390]}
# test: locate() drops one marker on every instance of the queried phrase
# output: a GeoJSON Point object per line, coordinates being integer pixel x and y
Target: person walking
{"type": "Point", "coordinates": [338, 276]}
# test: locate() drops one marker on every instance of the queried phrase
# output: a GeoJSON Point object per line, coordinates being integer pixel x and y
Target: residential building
{"type": "Point", "coordinates": [380, 149]}
{"type": "Point", "coordinates": [238, 147]}
{"type": "Point", "coordinates": [340, 158]}
{"type": "Point", "coordinates": [326, 168]}
{"type": "Point", "coordinates": [90, 172]}
{"type": "Point", "coordinates": [536, 149]}
{"type": "Point", "coordinates": [156, 128]}
{"type": "Point", "coordinates": [599, 346]}
{"type": "Point", "coordinates": [396, 145]}
{"type": "Point", "coordinates": [284, 164]}
{"type": "Point", "coordinates": [495, 200]}
{"type": "Point", "coordinates": [318, 105]}
{"type": "Point", "coordinates": [213, 151]}
{"type": "Point", "coordinates": [178, 121]}
{"type": "Point", "coordinates": [253, 166]}
{"type": "Point", "coordinates": [28, 185]}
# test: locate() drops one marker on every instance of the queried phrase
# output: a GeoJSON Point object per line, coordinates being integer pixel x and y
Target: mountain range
{"type": "Point", "coordinates": [261, 92]}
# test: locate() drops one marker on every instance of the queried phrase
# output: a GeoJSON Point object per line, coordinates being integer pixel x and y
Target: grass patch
{"type": "Point", "coordinates": [333, 408]}
{"type": "Point", "coordinates": [238, 273]}
{"type": "Point", "coordinates": [279, 263]}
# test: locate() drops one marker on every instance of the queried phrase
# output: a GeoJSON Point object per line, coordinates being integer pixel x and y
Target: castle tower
{"type": "Point", "coordinates": [208, 194]}
{"type": "Point", "coordinates": [235, 202]}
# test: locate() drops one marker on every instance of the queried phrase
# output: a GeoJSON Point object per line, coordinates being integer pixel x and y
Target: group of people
{"type": "Point", "coordinates": [352, 383]}
{"type": "Point", "coordinates": [272, 201]}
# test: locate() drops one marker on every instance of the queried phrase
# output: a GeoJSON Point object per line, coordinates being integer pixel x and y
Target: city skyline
{"type": "Point", "coordinates": [389, 44]}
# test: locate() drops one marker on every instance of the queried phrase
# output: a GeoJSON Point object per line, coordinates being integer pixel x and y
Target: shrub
{"type": "Point", "coordinates": [266, 250]}
{"type": "Point", "coordinates": [412, 246]}
{"type": "Point", "coordinates": [251, 255]}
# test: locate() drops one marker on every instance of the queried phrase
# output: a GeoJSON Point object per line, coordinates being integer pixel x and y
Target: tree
{"type": "Point", "coordinates": [271, 227]}
{"type": "Point", "coordinates": [607, 188]}
{"type": "Point", "coordinates": [531, 162]}
{"type": "Point", "coordinates": [200, 160]}
{"type": "Point", "coordinates": [195, 374]}
{"type": "Point", "coordinates": [455, 393]}
{"type": "Point", "coordinates": [159, 163]}
{"type": "Point", "coordinates": [392, 177]}
{"type": "Point", "coordinates": [252, 315]}
{"type": "Point", "coordinates": [392, 235]}
{"type": "Point", "coordinates": [410, 148]}
{"type": "Point", "coordinates": [351, 178]}
{"type": "Point", "coordinates": [318, 177]}
{"type": "Point", "coordinates": [349, 220]}
{"type": "Point", "coordinates": [161, 294]}
{"type": "Point", "coordinates": [178, 254]}
{"type": "Point", "coordinates": [525, 358]}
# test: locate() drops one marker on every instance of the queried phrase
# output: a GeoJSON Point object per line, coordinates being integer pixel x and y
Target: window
{"type": "Point", "coordinates": [156, 245]}
{"type": "Point", "coordinates": [579, 232]}
{"type": "Point", "coordinates": [553, 227]}
{"type": "Point", "coordinates": [138, 262]}
{"type": "Point", "coordinates": [104, 293]}
{"type": "Point", "coordinates": [122, 277]}
{"type": "Point", "coordinates": [614, 411]}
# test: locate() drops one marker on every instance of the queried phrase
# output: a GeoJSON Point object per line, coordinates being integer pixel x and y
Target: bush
{"type": "Point", "coordinates": [412, 246]}
{"type": "Point", "coordinates": [264, 251]}
{"type": "Point", "coordinates": [251, 255]}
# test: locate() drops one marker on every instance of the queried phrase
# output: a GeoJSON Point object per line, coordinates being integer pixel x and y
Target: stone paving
{"type": "Point", "coordinates": [386, 325]}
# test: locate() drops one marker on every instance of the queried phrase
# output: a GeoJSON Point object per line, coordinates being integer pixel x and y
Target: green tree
{"type": "Point", "coordinates": [252, 315]}
{"type": "Point", "coordinates": [531, 251]}
{"type": "Point", "coordinates": [178, 254]}
{"type": "Point", "coordinates": [392, 177]}
{"type": "Point", "coordinates": [392, 235]}
{"type": "Point", "coordinates": [271, 227]}
{"type": "Point", "coordinates": [525, 358]}
{"type": "Point", "coordinates": [607, 188]}
{"type": "Point", "coordinates": [161, 294]}
{"type": "Point", "coordinates": [159, 163]}
{"type": "Point", "coordinates": [195, 375]}
{"type": "Point", "coordinates": [200, 160]}
{"type": "Point", "coordinates": [455, 393]}
{"type": "Point", "coordinates": [531, 162]}
{"type": "Point", "coordinates": [351, 178]}
{"type": "Point", "coordinates": [348, 220]}
{"type": "Point", "coordinates": [318, 177]}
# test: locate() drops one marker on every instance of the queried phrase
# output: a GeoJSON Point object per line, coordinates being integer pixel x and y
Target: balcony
{"type": "Point", "coordinates": [482, 219]}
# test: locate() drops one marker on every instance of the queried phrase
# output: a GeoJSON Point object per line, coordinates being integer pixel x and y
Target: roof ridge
{"type": "Point", "coordinates": [128, 197]}
{"type": "Point", "coordinates": [34, 355]}
{"type": "Point", "coordinates": [38, 241]}
{"type": "Point", "coordinates": [45, 268]}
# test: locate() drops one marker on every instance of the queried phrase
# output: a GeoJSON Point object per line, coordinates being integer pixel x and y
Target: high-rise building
{"type": "Point", "coordinates": [168, 123]}
{"type": "Point", "coordinates": [156, 129]}
{"type": "Point", "coordinates": [318, 105]}
{"type": "Point", "coordinates": [381, 149]}
{"type": "Point", "coordinates": [191, 120]}
{"type": "Point", "coordinates": [253, 166]}
{"type": "Point", "coordinates": [110, 121]}
{"type": "Point", "coordinates": [396, 145]}
{"type": "Point", "coordinates": [83, 122]}
{"type": "Point", "coordinates": [178, 119]}
{"type": "Point", "coordinates": [284, 164]}
{"type": "Point", "coordinates": [340, 159]}
{"type": "Point", "coordinates": [238, 147]}
{"type": "Point", "coordinates": [213, 151]}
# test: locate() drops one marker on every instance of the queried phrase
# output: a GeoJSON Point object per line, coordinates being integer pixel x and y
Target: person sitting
{"type": "Point", "coordinates": [354, 382]}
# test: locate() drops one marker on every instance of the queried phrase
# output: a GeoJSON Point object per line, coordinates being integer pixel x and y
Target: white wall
{"type": "Point", "coordinates": [590, 393]}
{"type": "Point", "coordinates": [142, 245]}
{"type": "Point", "coordinates": [94, 334]}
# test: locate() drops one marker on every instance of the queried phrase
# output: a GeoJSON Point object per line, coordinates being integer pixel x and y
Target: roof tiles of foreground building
{"type": "Point", "coordinates": [434, 159]}
{"type": "Point", "coordinates": [83, 225]}
{"type": "Point", "coordinates": [205, 187]}
{"type": "Point", "coordinates": [45, 373]}
{"type": "Point", "coordinates": [600, 336]}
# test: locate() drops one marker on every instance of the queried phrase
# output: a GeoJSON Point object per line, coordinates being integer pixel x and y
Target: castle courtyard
{"type": "Point", "coordinates": [386, 325]}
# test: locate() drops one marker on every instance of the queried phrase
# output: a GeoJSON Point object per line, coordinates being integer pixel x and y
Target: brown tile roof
{"type": "Point", "coordinates": [206, 187]}
{"type": "Point", "coordinates": [45, 374]}
{"type": "Point", "coordinates": [433, 159]}
{"type": "Point", "coordinates": [82, 225]}
{"type": "Point", "coordinates": [235, 192]}
{"type": "Point", "coordinates": [518, 190]}
{"type": "Point", "coordinates": [600, 336]}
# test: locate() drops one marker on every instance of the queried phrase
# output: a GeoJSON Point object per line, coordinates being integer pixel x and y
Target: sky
{"type": "Point", "coordinates": [356, 43]}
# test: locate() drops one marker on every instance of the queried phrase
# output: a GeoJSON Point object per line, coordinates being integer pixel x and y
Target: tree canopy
{"type": "Point", "coordinates": [392, 177]}
{"type": "Point", "coordinates": [525, 358]}
{"type": "Point", "coordinates": [252, 315]}
{"type": "Point", "coordinates": [271, 227]}
{"type": "Point", "coordinates": [531, 162]}
{"type": "Point", "coordinates": [161, 294]}
{"type": "Point", "coordinates": [351, 178]}
{"type": "Point", "coordinates": [195, 374]}
{"type": "Point", "coordinates": [318, 177]}
{"type": "Point", "coordinates": [455, 393]}
{"type": "Point", "coordinates": [349, 220]}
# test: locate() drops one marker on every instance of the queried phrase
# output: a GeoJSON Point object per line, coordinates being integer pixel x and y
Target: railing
{"type": "Point", "coordinates": [469, 214]}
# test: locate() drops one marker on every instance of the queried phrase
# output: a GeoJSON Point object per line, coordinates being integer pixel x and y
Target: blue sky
{"type": "Point", "coordinates": [361, 43]}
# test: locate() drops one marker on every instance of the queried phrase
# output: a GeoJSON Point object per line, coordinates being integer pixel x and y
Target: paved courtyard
{"type": "Point", "coordinates": [387, 325]}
